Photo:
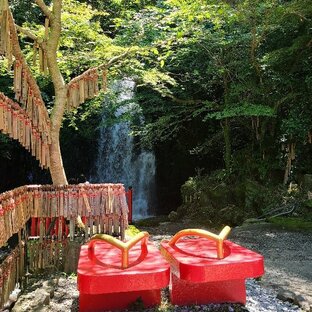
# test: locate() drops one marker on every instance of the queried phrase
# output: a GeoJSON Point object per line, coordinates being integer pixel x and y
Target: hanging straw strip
{"type": "Point", "coordinates": [10, 273]}
{"type": "Point", "coordinates": [82, 87]}
{"type": "Point", "coordinates": [100, 202]}
{"type": "Point", "coordinates": [25, 87]}
{"type": "Point", "coordinates": [16, 123]}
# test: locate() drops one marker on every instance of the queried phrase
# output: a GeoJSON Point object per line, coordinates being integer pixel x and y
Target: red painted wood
{"type": "Point", "coordinates": [33, 227]}
{"type": "Point", "coordinates": [47, 224]}
{"type": "Point", "coordinates": [117, 301]}
{"type": "Point", "coordinates": [101, 277]}
{"type": "Point", "coordinates": [195, 260]}
{"type": "Point", "coordinates": [183, 292]}
{"type": "Point", "coordinates": [199, 277]}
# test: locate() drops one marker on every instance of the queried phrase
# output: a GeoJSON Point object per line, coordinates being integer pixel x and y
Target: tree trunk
{"type": "Point", "coordinates": [56, 168]}
{"type": "Point", "coordinates": [227, 142]}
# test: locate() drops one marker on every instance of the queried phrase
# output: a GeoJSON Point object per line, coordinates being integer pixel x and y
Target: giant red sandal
{"type": "Point", "coordinates": [113, 274]}
{"type": "Point", "coordinates": [209, 269]}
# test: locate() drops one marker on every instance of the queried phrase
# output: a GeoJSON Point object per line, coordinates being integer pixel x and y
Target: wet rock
{"type": "Point", "coordinates": [287, 295]}
{"type": "Point", "coordinates": [49, 286]}
{"type": "Point", "coordinates": [299, 300]}
{"type": "Point", "coordinates": [71, 256]}
{"type": "Point", "coordinates": [303, 303]}
{"type": "Point", "coordinates": [173, 216]}
{"type": "Point", "coordinates": [14, 295]}
{"type": "Point", "coordinates": [33, 301]}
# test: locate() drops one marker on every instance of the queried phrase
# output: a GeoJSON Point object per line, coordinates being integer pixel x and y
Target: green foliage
{"type": "Point", "coordinates": [27, 10]}
{"type": "Point", "coordinates": [213, 201]}
{"type": "Point", "coordinates": [83, 43]}
{"type": "Point", "coordinates": [198, 66]}
{"type": "Point", "coordinates": [293, 223]}
{"type": "Point", "coordinates": [248, 63]}
{"type": "Point", "coordinates": [243, 110]}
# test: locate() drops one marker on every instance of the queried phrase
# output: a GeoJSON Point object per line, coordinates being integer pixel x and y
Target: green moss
{"type": "Point", "coordinates": [308, 203]}
{"type": "Point", "coordinates": [153, 221]}
{"type": "Point", "coordinates": [293, 223]}
{"type": "Point", "coordinates": [132, 230]}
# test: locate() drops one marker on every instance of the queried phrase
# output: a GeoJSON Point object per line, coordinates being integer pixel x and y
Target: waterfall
{"type": "Point", "coordinates": [120, 159]}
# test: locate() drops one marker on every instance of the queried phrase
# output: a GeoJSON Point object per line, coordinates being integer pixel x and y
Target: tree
{"type": "Point", "coordinates": [29, 120]}
{"type": "Point", "coordinates": [244, 65]}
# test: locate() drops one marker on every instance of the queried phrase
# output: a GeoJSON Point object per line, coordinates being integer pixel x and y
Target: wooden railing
{"type": "Point", "coordinates": [44, 219]}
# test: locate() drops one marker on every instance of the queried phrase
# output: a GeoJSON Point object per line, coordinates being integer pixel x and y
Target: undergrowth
{"type": "Point", "coordinates": [293, 223]}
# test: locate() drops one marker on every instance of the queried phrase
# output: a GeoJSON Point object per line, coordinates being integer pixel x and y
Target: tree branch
{"type": "Point", "coordinates": [114, 60]}
{"type": "Point", "coordinates": [184, 101]}
{"type": "Point", "coordinates": [44, 8]}
{"type": "Point", "coordinates": [27, 33]}
{"type": "Point", "coordinates": [102, 66]}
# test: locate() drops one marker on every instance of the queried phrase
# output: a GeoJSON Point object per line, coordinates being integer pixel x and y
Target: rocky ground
{"type": "Point", "coordinates": [286, 285]}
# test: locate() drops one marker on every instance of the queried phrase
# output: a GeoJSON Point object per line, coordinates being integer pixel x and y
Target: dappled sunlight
{"type": "Point", "coordinates": [107, 260]}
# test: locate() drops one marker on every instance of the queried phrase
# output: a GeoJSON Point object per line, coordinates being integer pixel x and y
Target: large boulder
{"type": "Point", "coordinates": [307, 182]}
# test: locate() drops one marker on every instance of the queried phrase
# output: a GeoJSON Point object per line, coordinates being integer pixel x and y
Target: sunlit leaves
{"type": "Point", "coordinates": [242, 110]}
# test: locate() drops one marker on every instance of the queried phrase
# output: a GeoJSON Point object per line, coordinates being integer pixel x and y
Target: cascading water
{"type": "Point", "coordinates": [120, 160]}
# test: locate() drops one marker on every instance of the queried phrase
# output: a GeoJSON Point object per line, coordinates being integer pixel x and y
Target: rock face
{"type": "Point", "coordinates": [299, 300]}
{"type": "Point", "coordinates": [173, 216]}
{"type": "Point", "coordinates": [307, 182]}
{"type": "Point", "coordinates": [71, 256]}
{"type": "Point", "coordinates": [37, 299]}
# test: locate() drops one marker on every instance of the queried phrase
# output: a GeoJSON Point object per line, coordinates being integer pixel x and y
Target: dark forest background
{"type": "Point", "coordinates": [225, 88]}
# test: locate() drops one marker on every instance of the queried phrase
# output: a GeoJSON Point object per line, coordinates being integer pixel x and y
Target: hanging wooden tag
{"type": "Point", "coordinates": [18, 79]}
{"type": "Point", "coordinates": [1, 115]}
{"type": "Point", "coordinates": [34, 115]}
{"type": "Point", "coordinates": [27, 134]}
{"type": "Point", "coordinates": [48, 157]}
{"type": "Point", "coordinates": [104, 80]}
{"type": "Point", "coordinates": [81, 91]}
{"type": "Point", "coordinates": [40, 121]}
{"type": "Point", "coordinates": [96, 83]}
{"type": "Point", "coordinates": [76, 95]}
{"type": "Point", "coordinates": [90, 86]}
{"type": "Point", "coordinates": [38, 149]}
{"type": "Point", "coordinates": [5, 118]}
{"type": "Point", "coordinates": [86, 86]}
{"type": "Point", "coordinates": [24, 88]}
{"type": "Point", "coordinates": [29, 103]}
{"type": "Point", "coordinates": [68, 102]}
{"type": "Point", "coordinates": [32, 142]}
{"type": "Point", "coordinates": [9, 118]}
{"type": "Point", "coordinates": [14, 125]}
{"type": "Point", "coordinates": [23, 131]}
{"type": "Point", "coordinates": [18, 123]}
